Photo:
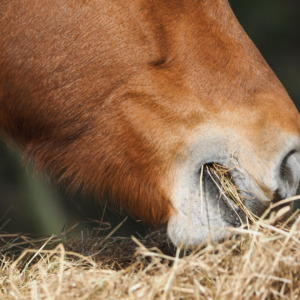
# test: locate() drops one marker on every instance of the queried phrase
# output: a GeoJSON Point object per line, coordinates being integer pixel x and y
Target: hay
{"type": "Point", "coordinates": [222, 178]}
{"type": "Point", "coordinates": [261, 263]}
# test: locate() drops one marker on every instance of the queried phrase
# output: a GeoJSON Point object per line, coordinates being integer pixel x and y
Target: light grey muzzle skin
{"type": "Point", "coordinates": [262, 180]}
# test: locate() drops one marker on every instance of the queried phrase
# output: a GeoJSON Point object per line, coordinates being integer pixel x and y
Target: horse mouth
{"type": "Point", "coordinates": [212, 187]}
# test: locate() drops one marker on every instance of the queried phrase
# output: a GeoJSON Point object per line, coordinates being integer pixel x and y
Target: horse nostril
{"type": "Point", "coordinates": [285, 170]}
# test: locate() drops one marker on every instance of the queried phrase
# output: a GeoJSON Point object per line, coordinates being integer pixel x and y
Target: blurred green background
{"type": "Point", "coordinates": [28, 204]}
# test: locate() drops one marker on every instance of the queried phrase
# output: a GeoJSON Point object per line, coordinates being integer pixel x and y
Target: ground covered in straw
{"type": "Point", "coordinates": [260, 263]}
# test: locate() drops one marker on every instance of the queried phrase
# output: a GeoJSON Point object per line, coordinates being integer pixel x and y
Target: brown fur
{"type": "Point", "coordinates": [104, 95]}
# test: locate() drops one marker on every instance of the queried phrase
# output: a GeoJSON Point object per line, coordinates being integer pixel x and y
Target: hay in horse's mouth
{"type": "Point", "coordinates": [222, 178]}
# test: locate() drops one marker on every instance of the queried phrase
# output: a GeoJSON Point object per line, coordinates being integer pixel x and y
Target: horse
{"type": "Point", "coordinates": [130, 100]}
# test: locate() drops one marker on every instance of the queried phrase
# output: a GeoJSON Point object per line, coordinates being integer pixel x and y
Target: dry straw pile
{"type": "Point", "coordinates": [259, 262]}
